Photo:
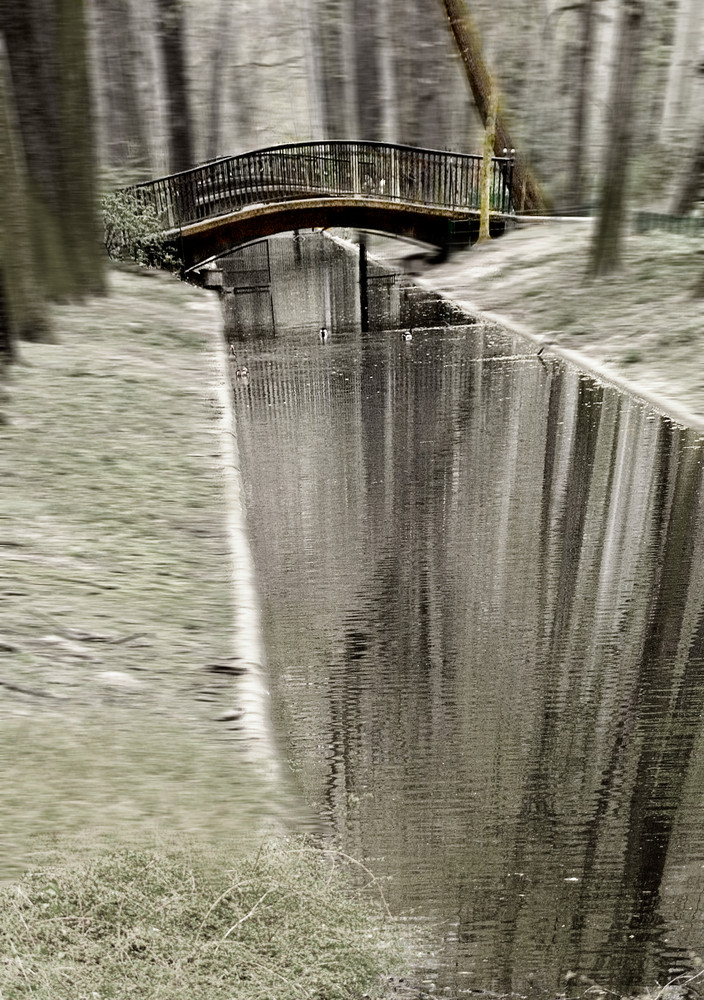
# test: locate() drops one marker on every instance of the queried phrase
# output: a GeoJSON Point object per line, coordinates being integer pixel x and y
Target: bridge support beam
{"type": "Point", "coordinates": [203, 241]}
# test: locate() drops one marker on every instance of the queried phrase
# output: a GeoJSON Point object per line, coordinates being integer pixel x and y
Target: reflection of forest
{"type": "Point", "coordinates": [482, 589]}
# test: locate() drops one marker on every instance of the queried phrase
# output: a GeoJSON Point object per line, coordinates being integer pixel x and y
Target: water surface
{"type": "Point", "coordinates": [482, 585]}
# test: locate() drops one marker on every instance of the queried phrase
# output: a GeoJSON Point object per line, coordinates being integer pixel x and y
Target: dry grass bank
{"type": "Point", "coordinates": [642, 324]}
{"type": "Point", "coordinates": [117, 710]}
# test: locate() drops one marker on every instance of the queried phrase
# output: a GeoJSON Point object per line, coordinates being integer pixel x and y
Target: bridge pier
{"type": "Point", "coordinates": [363, 287]}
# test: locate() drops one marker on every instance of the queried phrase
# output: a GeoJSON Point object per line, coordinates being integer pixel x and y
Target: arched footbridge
{"type": "Point", "coordinates": [428, 195]}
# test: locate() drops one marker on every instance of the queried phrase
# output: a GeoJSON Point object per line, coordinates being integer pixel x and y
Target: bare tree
{"type": "Point", "coordinates": [367, 75]}
{"type": "Point", "coordinates": [527, 195]}
{"type": "Point", "coordinates": [608, 236]}
{"type": "Point", "coordinates": [691, 181]}
{"type": "Point", "coordinates": [680, 97]}
{"type": "Point", "coordinates": [46, 46]}
{"type": "Point", "coordinates": [124, 129]}
{"type": "Point", "coordinates": [217, 62]}
{"type": "Point", "coordinates": [575, 163]}
{"type": "Point", "coordinates": [177, 96]}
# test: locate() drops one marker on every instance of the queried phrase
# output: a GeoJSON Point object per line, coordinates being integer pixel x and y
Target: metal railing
{"type": "Point", "coordinates": [370, 171]}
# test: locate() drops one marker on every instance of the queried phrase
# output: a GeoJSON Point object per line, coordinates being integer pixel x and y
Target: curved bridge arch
{"type": "Point", "coordinates": [423, 194]}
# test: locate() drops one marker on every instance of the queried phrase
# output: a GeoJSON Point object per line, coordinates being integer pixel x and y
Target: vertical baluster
{"type": "Point", "coordinates": [202, 191]}
{"type": "Point", "coordinates": [206, 192]}
{"type": "Point", "coordinates": [222, 187]}
{"type": "Point", "coordinates": [251, 180]}
{"type": "Point", "coordinates": [232, 182]}
{"type": "Point", "coordinates": [495, 204]}
{"type": "Point", "coordinates": [176, 201]}
{"type": "Point", "coordinates": [192, 187]}
{"type": "Point", "coordinates": [182, 199]}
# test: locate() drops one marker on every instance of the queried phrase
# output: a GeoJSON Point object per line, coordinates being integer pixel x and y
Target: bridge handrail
{"type": "Point", "coordinates": [373, 171]}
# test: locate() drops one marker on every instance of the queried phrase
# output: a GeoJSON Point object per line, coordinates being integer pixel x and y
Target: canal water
{"type": "Point", "coordinates": [482, 583]}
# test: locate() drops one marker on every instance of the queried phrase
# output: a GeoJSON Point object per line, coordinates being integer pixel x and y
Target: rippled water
{"type": "Point", "coordinates": [482, 586]}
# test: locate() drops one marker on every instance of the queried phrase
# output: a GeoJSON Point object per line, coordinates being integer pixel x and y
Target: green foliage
{"type": "Point", "coordinates": [281, 922]}
{"type": "Point", "coordinates": [133, 231]}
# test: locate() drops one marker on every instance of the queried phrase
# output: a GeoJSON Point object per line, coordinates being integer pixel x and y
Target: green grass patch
{"type": "Point", "coordinates": [181, 923]}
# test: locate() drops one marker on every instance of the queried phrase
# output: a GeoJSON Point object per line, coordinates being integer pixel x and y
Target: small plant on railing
{"type": "Point", "coordinates": [133, 232]}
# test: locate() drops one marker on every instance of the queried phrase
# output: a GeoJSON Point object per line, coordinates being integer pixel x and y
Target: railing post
{"type": "Point", "coordinates": [508, 187]}
{"type": "Point", "coordinates": [354, 157]}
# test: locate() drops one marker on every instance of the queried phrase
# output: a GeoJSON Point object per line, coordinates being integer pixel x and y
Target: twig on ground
{"type": "Point", "coordinates": [26, 690]}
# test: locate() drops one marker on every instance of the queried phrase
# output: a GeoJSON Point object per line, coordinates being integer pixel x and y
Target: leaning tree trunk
{"type": "Point", "coordinates": [173, 50]}
{"type": "Point", "coordinates": [526, 193]}
{"type": "Point", "coordinates": [608, 235]}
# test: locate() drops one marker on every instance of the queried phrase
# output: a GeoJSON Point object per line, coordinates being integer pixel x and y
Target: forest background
{"type": "Point", "coordinates": [99, 93]}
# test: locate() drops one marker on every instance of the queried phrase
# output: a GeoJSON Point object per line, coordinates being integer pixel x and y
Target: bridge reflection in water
{"type": "Point", "coordinates": [429, 195]}
{"type": "Point", "coordinates": [482, 588]}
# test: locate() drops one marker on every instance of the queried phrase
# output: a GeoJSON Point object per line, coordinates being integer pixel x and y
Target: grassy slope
{"type": "Point", "coordinates": [115, 579]}
{"type": "Point", "coordinates": [122, 784]}
{"type": "Point", "coordinates": [177, 926]}
{"type": "Point", "coordinates": [642, 323]}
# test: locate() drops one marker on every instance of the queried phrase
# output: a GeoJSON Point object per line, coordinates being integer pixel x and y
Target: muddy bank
{"type": "Point", "coordinates": [641, 328]}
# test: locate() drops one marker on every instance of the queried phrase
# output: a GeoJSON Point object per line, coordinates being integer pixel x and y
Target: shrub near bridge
{"type": "Point", "coordinates": [132, 231]}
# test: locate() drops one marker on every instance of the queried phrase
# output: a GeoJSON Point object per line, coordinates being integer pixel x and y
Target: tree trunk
{"type": "Point", "coordinates": [339, 106]}
{"type": "Point", "coordinates": [217, 60]}
{"type": "Point", "coordinates": [387, 69]}
{"type": "Point", "coordinates": [366, 63]}
{"type": "Point", "coordinates": [123, 129]}
{"type": "Point", "coordinates": [608, 236]}
{"type": "Point", "coordinates": [681, 80]}
{"type": "Point", "coordinates": [575, 164]}
{"type": "Point", "coordinates": [690, 187]}
{"type": "Point", "coordinates": [486, 172]}
{"type": "Point", "coordinates": [173, 51]}
{"type": "Point", "coordinates": [526, 193]}
{"type": "Point", "coordinates": [46, 46]}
